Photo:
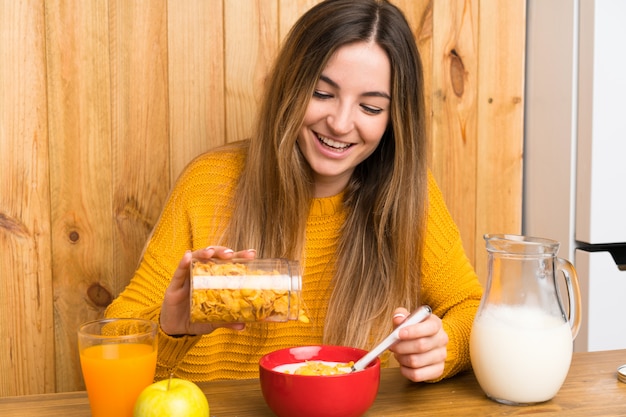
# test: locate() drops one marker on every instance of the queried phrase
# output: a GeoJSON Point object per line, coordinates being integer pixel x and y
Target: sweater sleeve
{"type": "Point", "coordinates": [175, 232]}
{"type": "Point", "coordinates": [449, 284]}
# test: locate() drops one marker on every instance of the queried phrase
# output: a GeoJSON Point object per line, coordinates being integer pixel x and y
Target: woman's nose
{"type": "Point", "coordinates": [341, 120]}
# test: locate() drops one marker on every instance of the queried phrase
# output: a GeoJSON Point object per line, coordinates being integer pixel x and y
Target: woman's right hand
{"type": "Point", "coordinates": [175, 309]}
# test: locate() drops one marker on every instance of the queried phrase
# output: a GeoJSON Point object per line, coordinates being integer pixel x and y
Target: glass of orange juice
{"type": "Point", "coordinates": [118, 360]}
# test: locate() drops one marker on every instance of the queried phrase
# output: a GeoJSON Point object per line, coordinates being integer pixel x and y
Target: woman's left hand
{"type": "Point", "coordinates": [421, 351]}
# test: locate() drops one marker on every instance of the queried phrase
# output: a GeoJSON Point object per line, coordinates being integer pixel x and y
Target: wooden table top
{"type": "Point", "coordinates": [591, 389]}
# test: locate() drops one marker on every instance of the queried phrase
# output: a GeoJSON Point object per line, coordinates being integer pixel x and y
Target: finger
{"type": "Point", "coordinates": [425, 373]}
{"type": "Point", "coordinates": [399, 315]}
{"type": "Point", "coordinates": [181, 275]}
{"type": "Point", "coordinates": [246, 254]}
{"type": "Point", "coordinates": [415, 358]}
{"type": "Point", "coordinates": [426, 328]}
{"type": "Point", "coordinates": [405, 348]}
{"type": "Point", "coordinates": [221, 252]}
{"type": "Point", "coordinates": [208, 252]}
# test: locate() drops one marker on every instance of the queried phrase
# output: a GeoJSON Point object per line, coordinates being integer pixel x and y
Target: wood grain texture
{"type": "Point", "coordinates": [26, 319]}
{"type": "Point", "coordinates": [80, 170]}
{"type": "Point", "coordinates": [139, 128]}
{"type": "Point", "coordinates": [500, 122]}
{"type": "Point", "coordinates": [254, 25]}
{"type": "Point", "coordinates": [288, 13]}
{"type": "Point", "coordinates": [104, 102]}
{"type": "Point", "coordinates": [454, 110]}
{"type": "Point", "coordinates": [195, 79]}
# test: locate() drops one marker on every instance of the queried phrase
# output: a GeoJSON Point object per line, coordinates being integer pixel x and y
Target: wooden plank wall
{"type": "Point", "coordinates": [103, 103]}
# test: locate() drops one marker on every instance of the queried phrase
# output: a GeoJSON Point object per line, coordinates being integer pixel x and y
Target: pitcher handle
{"type": "Point", "coordinates": [573, 294]}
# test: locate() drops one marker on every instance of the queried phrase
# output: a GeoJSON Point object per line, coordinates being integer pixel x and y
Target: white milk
{"type": "Point", "coordinates": [520, 354]}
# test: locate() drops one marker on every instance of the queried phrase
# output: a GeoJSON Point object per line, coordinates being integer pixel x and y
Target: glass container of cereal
{"type": "Point", "coordinates": [246, 290]}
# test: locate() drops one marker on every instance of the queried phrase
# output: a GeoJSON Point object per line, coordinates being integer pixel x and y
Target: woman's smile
{"type": "Point", "coordinates": [332, 144]}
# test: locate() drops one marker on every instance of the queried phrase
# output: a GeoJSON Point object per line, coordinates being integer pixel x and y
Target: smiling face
{"type": "Point", "coordinates": [347, 115]}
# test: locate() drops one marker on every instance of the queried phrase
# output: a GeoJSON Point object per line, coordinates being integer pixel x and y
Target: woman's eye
{"type": "Point", "coordinates": [321, 95]}
{"type": "Point", "coordinates": [371, 110]}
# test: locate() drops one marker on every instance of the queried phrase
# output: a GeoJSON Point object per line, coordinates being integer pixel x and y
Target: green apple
{"type": "Point", "coordinates": [172, 397]}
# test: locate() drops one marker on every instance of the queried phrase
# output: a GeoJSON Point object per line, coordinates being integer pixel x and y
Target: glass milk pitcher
{"type": "Point", "coordinates": [522, 338]}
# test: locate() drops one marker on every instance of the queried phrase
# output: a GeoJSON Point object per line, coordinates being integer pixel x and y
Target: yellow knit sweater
{"type": "Point", "coordinates": [195, 216]}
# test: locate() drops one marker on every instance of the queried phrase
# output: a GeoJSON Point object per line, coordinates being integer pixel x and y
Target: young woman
{"type": "Point", "coordinates": [335, 176]}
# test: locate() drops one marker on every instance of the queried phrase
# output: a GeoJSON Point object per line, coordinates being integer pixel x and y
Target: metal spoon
{"type": "Point", "coordinates": [417, 316]}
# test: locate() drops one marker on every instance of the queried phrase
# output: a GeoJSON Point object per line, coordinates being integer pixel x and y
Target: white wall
{"type": "Point", "coordinates": [550, 121]}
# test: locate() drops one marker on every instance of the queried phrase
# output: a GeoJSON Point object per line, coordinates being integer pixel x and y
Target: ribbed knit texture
{"type": "Point", "coordinates": [195, 216]}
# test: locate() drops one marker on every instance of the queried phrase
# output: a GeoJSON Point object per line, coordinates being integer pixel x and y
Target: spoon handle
{"type": "Point", "coordinates": [417, 316]}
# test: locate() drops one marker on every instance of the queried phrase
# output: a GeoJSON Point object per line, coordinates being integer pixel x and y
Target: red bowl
{"type": "Point", "coordinates": [343, 395]}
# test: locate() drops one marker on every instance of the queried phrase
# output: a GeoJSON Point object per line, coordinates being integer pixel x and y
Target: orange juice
{"type": "Point", "coordinates": [115, 374]}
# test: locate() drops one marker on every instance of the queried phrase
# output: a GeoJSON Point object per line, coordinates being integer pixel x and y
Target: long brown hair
{"type": "Point", "coordinates": [378, 260]}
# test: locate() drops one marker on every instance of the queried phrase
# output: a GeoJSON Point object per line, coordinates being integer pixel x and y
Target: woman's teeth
{"type": "Point", "coordinates": [333, 144]}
